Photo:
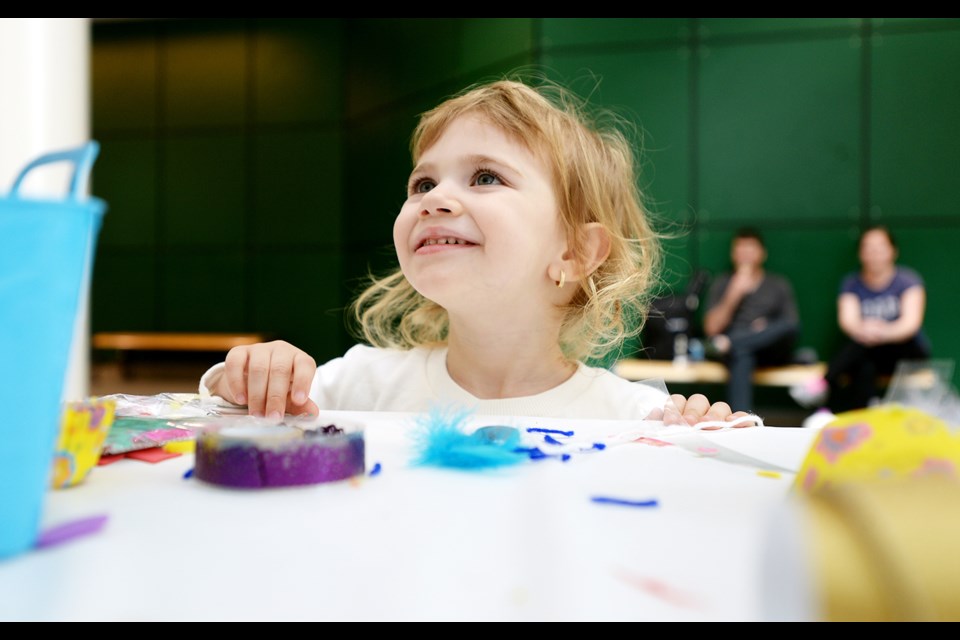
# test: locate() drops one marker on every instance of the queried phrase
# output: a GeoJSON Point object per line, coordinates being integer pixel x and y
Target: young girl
{"type": "Point", "coordinates": [523, 249]}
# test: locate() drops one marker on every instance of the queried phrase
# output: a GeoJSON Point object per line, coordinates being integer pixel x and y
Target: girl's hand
{"type": "Point", "coordinates": [695, 409]}
{"type": "Point", "coordinates": [271, 378]}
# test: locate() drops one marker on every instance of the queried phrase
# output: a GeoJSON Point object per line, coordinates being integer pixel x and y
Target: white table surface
{"type": "Point", "coordinates": [524, 543]}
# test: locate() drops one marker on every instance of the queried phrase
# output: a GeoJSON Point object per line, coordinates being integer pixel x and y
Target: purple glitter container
{"type": "Point", "coordinates": [252, 455]}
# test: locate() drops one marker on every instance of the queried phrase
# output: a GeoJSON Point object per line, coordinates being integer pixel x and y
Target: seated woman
{"type": "Point", "coordinates": [880, 310]}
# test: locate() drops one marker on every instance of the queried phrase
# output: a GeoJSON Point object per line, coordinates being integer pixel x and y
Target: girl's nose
{"type": "Point", "coordinates": [438, 202]}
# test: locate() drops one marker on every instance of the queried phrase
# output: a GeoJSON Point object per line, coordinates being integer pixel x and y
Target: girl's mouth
{"type": "Point", "coordinates": [429, 242]}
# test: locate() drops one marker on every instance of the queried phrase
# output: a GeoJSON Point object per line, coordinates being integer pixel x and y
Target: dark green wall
{"type": "Point", "coordinates": [253, 167]}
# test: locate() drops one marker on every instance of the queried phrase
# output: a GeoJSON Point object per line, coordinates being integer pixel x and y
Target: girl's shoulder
{"type": "Point", "coordinates": [365, 355]}
{"type": "Point", "coordinates": [614, 397]}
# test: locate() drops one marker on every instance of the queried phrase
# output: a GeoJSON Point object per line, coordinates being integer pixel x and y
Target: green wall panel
{"type": "Point", "coordinates": [780, 131]}
{"type": "Point", "coordinates": [124, 71]}
{"type": "Point", "coordinates": [205, 73]}
{"type": "Point", "coordinates": [297, 181]}
{"type": "Point", "coordinates": [202, 291]}
{"type": "Point", "coordinates": [203, 190]}
{"type": "Point", "coordinates": [889, 25]}
{"type": "Point", "coordinates": [123, 293]}
{"type": "Point", "coordinates": [915, 131]}
{"type": "Point", "coordinates": [391, 59]}
{"type": "Point", "coordinates": [745, 26]}
{"type": "Point", "coordinates": [125, 176]}
{"type": "Point", "coordinates": [679, 259]}
{"type": "Point", "coordinates": [612, 31]}
{"type": "Point", "coordinates": [815, 260]}
{"type": "Point", "coordinates": [714, 250]}
{"type": "Point", "coordinates": [298, 70]}
{"type": "Point", "coordinates": [489, 41]}
{"type": "Point", "coordinates": [378, 164]}
{"type": "Point", "coordinates": [305, 302]}
{"type": "Point", "coordinates": [650, 89]}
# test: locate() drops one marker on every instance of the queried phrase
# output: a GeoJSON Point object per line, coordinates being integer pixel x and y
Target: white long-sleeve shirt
{"type": "Point", "coordinates": [373, 379]}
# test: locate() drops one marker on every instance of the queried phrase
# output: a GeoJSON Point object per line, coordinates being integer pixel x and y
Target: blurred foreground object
{"type": "Point", "coordinates": [886, 551]}
{"type": "Point", "coordinates": [871, 527]}
{"type": "Point", "coordinates": [46, 258]}
{"type": "Point", "coordinates": [83, 430]}
{"type": "Point", "coordinates": [878, 444]}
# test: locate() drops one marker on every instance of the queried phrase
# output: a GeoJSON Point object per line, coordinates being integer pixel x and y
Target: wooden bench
{"type": "Point", "coordinates": [708, 372]}
{"type": "Point", "coordinates": [134, 341]}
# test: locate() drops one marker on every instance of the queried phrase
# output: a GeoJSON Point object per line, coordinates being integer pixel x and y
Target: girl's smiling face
{"type": "Point", "coordinates": [480, 223]}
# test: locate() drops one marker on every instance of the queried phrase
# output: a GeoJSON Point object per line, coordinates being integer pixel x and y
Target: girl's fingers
{"type": "Point", "coordinates": [304, 370]}
{"type": "Point", "coordinates": [280, 375]}
{"type": "Point", "coordinates": [308, 408]}
{"type": "Point", "coordinates": [673, 409]}
{"type": "Point", "coordinates": [258, 379]}
{"type": "Point", "coordinates": [234, 385]}
{"type": "Point", "coordinates": [695, 408]}
{"type": "Point", "coordinates": [271, 378]}
{"type": "Point", "coordinates": [718, 412]}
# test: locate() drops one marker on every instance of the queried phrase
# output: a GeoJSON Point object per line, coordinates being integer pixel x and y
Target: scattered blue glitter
{"type": "Point", "coordinates": [557, 431]}
{"type": "Point", "coordinates": [625, 503]}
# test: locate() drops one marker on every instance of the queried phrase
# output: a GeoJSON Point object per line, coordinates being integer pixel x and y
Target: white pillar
{"type": "Point", "coordinates": [45, 106]}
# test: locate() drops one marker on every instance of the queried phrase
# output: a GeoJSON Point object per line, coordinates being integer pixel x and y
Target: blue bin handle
{"type": "Point", "coordinates": [82, 157]}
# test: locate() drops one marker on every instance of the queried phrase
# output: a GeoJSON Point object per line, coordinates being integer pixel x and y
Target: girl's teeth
{"type": "Point", "coordinates": [443, 241]}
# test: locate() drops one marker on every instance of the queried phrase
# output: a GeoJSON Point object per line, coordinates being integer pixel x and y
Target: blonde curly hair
{"type": "Point", "coordinates": [593, 167]}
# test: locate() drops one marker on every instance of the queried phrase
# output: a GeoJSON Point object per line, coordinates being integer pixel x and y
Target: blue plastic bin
{"type": "Point", "coordinates": [46, 258]}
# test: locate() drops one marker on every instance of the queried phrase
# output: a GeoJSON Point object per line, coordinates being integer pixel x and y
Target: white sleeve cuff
{"type": "Point", "coordinates": [209, 379]}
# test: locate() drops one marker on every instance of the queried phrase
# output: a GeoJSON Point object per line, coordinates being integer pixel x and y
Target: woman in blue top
{"type": "Point", "coordinates": [880, 309]}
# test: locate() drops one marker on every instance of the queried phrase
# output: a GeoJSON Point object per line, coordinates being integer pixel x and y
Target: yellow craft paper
{"type": "Point", "coordinates": [888, 441]}
{"type": "Point", "coordinates": [181, 446]}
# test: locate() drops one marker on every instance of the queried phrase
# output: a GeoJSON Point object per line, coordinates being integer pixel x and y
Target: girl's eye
{"type": "Point", "coordinates": [421, 186]}
{"type": "Point", "coordinates": [486, 178]}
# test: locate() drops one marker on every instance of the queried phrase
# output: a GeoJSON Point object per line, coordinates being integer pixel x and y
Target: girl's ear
{"type": "Point", "coordinates": [596, 247]}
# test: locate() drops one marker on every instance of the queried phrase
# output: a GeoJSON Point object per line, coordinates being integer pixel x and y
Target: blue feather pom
{"type": "Point", "coordinates": [441, 440]}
